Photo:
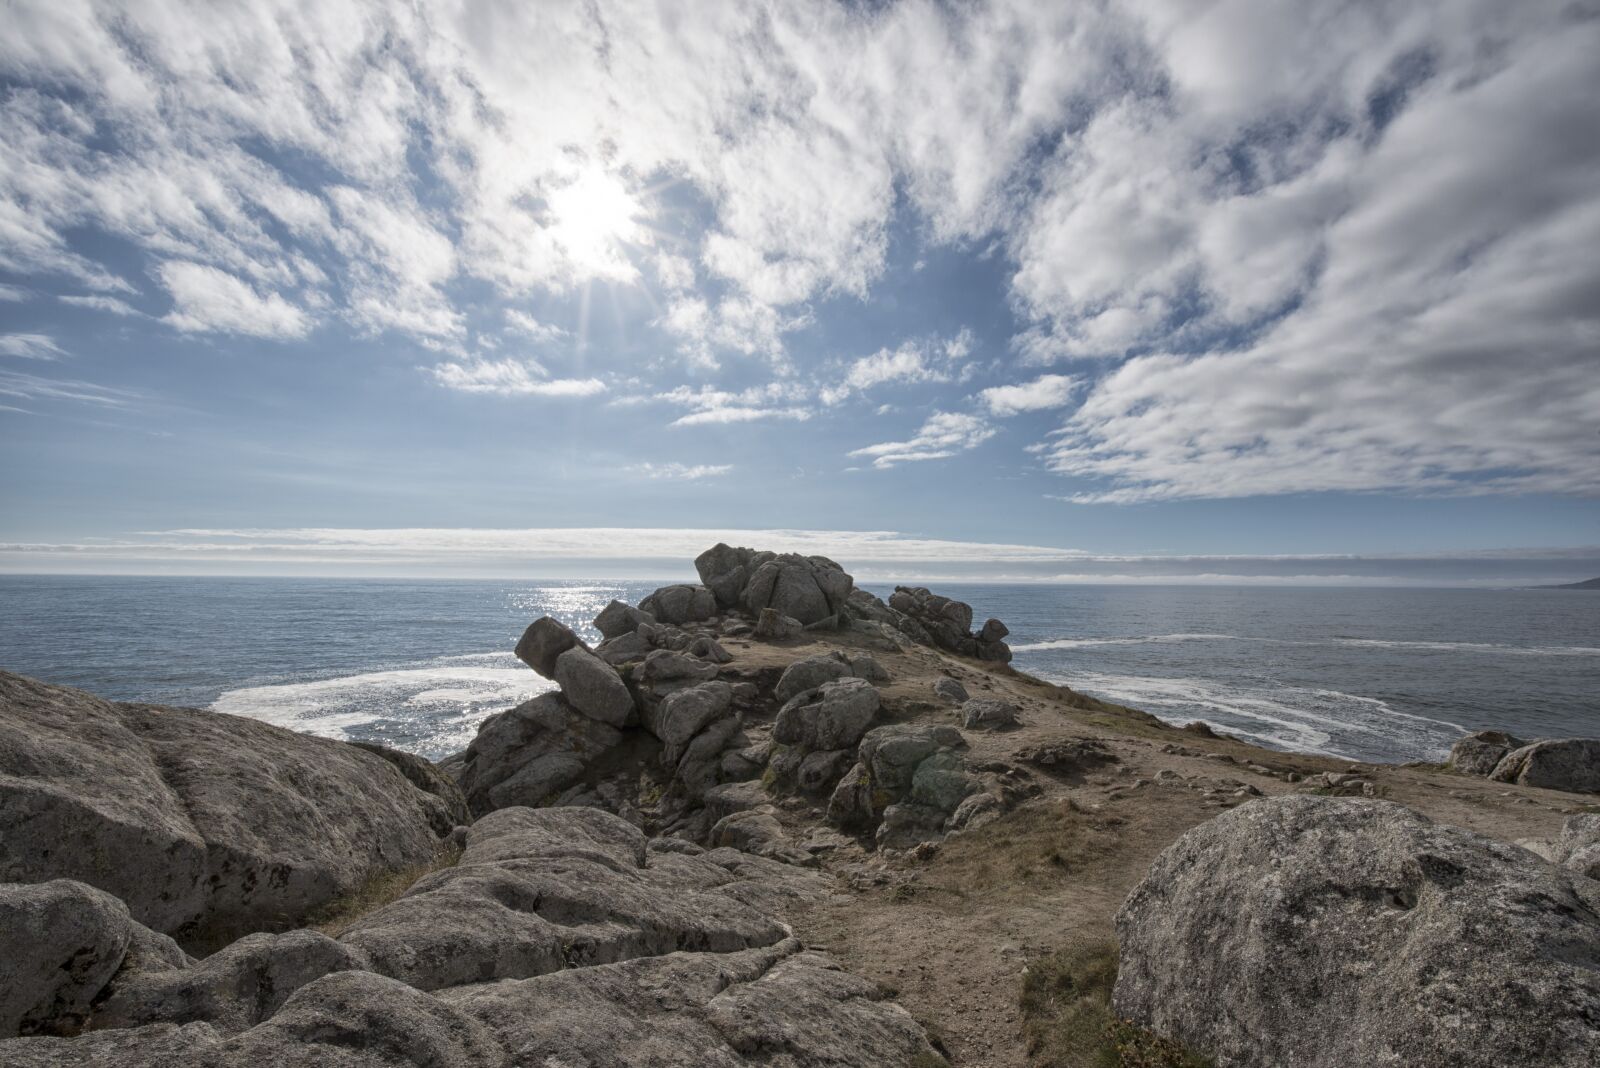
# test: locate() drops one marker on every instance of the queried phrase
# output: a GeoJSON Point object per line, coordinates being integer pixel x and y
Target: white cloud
{"type": "Point", "coordinates": [944, 434]}
{"type": "Point", "coordinates": [676, 472]}
{"type": "Point", "coordinates": [1341, 246]}
{"type": "Point", "coordinates": [207, 299]}
{"type": "Point", "coordinates": [511, 378]}
{"type": "Point", "coordinates": [12, 294]}
{"type": "Point", "coordinates": [1046, 391]}
{"type": "Point", "coordinates": [110, 305]}
{"type": "Point", "coordinates": [738, 414]}
{"type": "Point", "coordinates": [30, 346]}
{"type": "Point", "coordinates": [529, 327]}
{"type": "Point", "coordinates": [772, 401]}
{"type": "Point", "coordinates": [34, 388]}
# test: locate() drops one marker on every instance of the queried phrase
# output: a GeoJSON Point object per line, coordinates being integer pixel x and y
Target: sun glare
{"type": "Point", "coordinates": [592, 218]}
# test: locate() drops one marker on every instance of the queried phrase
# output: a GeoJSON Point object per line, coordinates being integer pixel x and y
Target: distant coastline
{"type": "Point", "coordinates": [1586, 584]}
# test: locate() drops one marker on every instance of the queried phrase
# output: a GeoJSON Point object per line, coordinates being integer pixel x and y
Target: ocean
{"type": "Point", "coordinates": [1362, 673]}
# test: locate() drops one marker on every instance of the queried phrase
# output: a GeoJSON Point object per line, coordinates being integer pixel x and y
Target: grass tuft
{"type": "Point", "coordinates": [1067, 1020]}
{"type": "Point", "coordinates": [338, 915]}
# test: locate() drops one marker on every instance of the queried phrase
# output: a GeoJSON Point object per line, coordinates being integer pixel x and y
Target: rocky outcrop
{"type": "Point", "coordinates": [1326, 932]}
{"type": "Point", "coordinates": [1571, 764]}
{"type": "Point", "coordinates": [204, 825]}
{"type": "Point", "coordinates": [809, 589]}
{"type": "Point", "coordinates": [947, 623]}
{"type": "Point", "coordinates": [529, 754]}
{"type": "Point", "coordinates": [680, 604]}
{"type": "Point", "coordinates": [426, 776]}
{"type": "Point", "coordinates": [816, 732]}
{"type": "Point", "coordinates": [907, 782]}
{"type": "Point", "coordinates": [1477, 754]}
{"type": "Point", "coordinates": [562, 937]}
{"type": "Point", "coordinates": [947, 689]}
{"type": "Point", "coordinates": [543, 642]}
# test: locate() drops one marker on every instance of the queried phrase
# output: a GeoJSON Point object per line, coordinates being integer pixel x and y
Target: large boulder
{"type": "Point", "coordinates": [680, 604]}
{"type": "Point", "coordinates": [1571, 764]}
{"type": "Point", "coordinates": [809, 589]}
{"type": "Point", "coordinates": [1477, 754]}
{"type": "Point", "coordinates": [1325, 932]}
{"type": "Point", "coordinates": [206, 825]}
{"type": "Point", "coordinates": [810, 672]}
{"type": "Point", "coordinates": [529, 754]}
{"type": "Point", "coordinates": [426, 776]}
{"type": "Point", "coordinates": [988, 713]}
{"type": "Point", "coordinates": [619, 618]}
{"type": "Point", "coordinates": [543, 642]}
{"type": "Point", "coordinates": [60, 944]}
{"type": "Point", "coordinates": [833, 716]}
{"type": "Point", "coordinates": [593, 687]}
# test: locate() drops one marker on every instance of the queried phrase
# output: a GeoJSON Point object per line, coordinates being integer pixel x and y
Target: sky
{"type": "Point", "coordinates": [1121, 290]}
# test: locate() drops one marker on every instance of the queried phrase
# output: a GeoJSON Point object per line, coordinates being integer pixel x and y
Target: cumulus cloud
{"type": "Point", "coordinates": [531, 328]}
{"type": "Point", "coordinates": [1295, 246]}
{"type": "Point", "coordinates": [713, 406]}
{"type": "Point", "coordinates": [208, 300]}
{"type": "Point", "coordinates": [1044, 392]}
{"type": "Point", "coordinates": [944, 434]}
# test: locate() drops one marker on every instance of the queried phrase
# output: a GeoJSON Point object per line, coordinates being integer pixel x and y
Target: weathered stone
{"type": "Point", "coordinates": [1570, 764]}
{"type": "Point", "coordinates": [975, 811]}
{"type": "Point", "coordinates": [772, 625]}
{"type": "Point", "coordinates": [1340, 932]}
{"type": "Point", "coordinates": [528, 754]}
{"type": "Point", "coordinates": [545, 640]}
{"type": "Point", "coordinates": [988, 713]}
{"type": "Point", "coordinates": [680, 604]}
{"type": "Point", "coordinates": [950, 690]}
{"type": "Point", "coordinates": [539, 890]}
{"type": "Point", "coordinates": [666, 666]}
{"type": "Point", "coordinates": [947, 623]}
{"type": "Point", "coordinates": [808, 589]}
{"type": "Point", "coordinates": [619, 618]}
{"type": "Point", "coordinates": [775, 1005]}
{"type": "Point", "coordinates": [594, 688]}
{"type": "Point", "coordinates": [993, 631]}
{"type": "Point", "coordinates": [749, 831]}
{"type": "Point", "coordinates": [809, 673]}
{"type": "Point", "coordinates": [819, 771]}
{"type": "Point", "coordinates": [708, 648]}
{"type": "Point", "coordinates": [1477, 754]}
{"type": "Point", "coordinates": [205, 825]}
{"type": "Point", "coordinates": [832, 716]}
{"type": "Point", "coordinates": [234, 989]}
{"type": "Point", "coordinates": [427, 777]}
{"type": "Point", "coordinates": [1576, 848]}
{"type": "Point", "coordinates": [863, 666]}
{"type": "Point", "coordinates": [625, 648]}
{"type": "Point", "coordinates": [60, 944]}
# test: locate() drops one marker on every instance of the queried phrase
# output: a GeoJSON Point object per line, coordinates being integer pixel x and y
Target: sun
{"type": "Point", "coordinates": [592, 218]}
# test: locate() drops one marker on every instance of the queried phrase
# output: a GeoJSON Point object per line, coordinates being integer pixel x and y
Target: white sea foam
{"type": "Point", "coordinates": [1474, 647]}
{"type": "Point", "coordinates": [1330, 722]}
{"type": "Point", "coordinates": [440, 700]}
{"type": "Point", "coordinates": [1148, 639]}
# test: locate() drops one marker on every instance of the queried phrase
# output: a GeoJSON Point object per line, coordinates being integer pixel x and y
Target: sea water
{"type": "Point", "coordinates": [1364, 673]}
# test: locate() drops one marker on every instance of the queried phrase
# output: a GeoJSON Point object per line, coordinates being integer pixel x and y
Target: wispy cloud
{"type": "Point", "coordinates": [676, 472]}
{"type": "Point", "coordinates": [110, 305]}
{"type": "Point", "coordinates": [30, 346]}
{"type": "Point", "coordinates": [35, 388]}
{"type": "Point", "coordinates": [944, 434]}
{"type": "Point", "coordinates": [510, 378]}
{"type": "Point", "coordinates": [209, 300]}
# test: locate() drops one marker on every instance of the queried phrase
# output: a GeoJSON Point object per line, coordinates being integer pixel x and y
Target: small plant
{"type": "Point", "coordinates": [336, 916]}
{"type": "Point", "coordinates": [1068, 1023]}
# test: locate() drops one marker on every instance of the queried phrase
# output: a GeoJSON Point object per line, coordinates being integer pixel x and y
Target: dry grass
{"type": "Point", "coordinates": [1068, 1023]}
{"type": "Point", "coordinates": [1033, 846]}
{"type": "Point", "coordinates": [335, 917]}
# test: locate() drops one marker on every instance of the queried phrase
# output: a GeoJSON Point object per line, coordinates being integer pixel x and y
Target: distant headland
{"type": "Point", "coordinates": [1586, 584]}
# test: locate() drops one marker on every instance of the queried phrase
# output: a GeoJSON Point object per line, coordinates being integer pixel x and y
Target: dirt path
{"type": "Point", "coordinates": [952, 928]}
